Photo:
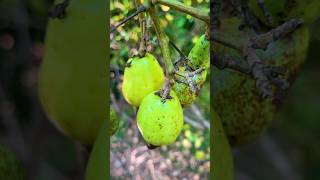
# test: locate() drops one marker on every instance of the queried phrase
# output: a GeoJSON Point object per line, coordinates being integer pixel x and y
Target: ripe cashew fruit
{"type": "Point", "coordinates": [160, 122]}
{"type": "Point", "coordinates": [141, 77]}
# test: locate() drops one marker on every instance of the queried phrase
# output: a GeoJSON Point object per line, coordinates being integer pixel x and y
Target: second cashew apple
{"type": "Point", "coordinates": [160, 122]}
{"type": "Point", "coordinates": [197, 58]}
{"type": "Point", "coordinates": [199, 55]}
{"type": "Point", "coordinates": [184, 92]}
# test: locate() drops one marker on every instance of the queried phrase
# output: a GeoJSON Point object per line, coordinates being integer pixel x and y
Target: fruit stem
{"type": "Point", "coordinates": [143, 26]}
{"type": "Point", "coordinates": [163, 40]}
{"type": "Point", "coordinates": [197, 13]}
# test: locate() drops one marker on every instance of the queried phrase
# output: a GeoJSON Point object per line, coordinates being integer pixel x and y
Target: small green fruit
{"type": "Point", "coordinates": [199, 54]}
{"type": "Point", "coordinates": [160, 122]}
{"type": "Point", "coordinates": [141, 77]}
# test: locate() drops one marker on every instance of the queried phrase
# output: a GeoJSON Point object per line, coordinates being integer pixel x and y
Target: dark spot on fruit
{"type": "Point", "coordinates": [157, 93]}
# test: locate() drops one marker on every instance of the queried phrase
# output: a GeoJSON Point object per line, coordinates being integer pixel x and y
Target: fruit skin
{"type": "Point", "coordinates": [10, 167]}
{"type": "Point", "coordinates": [199, 54]}
{"type": "Point", "coordinates": [283, 10]}
{"type": "Point", "coordinates": [97, 167]}
{"type": "Point", "coordinates": [73, 75]}
{"type": "Point", "coordinates": [198, 58]}
{"type": "Point", "coordinates": [114, 122]}
{"type": "Point", "coordinates": [183, 91]}
{"type": "Point", "coordinates": [159, 122]}
{"type": "Point", "coordinates": [222, 159]}
{"type": "Point", "coordinates": [244, 114]}
{"type": "Point", "coordinates": [141, 77]}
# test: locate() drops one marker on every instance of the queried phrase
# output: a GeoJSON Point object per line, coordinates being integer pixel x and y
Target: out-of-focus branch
{"type": "Point", "coordinates": [140, 9]}
{"type": "Point", "coordinates": [179, 6]}
{"type": "Point", "coordinates": [265, 76]}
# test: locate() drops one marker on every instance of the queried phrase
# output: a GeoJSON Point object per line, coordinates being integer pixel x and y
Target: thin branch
{"type": "Point", "coordinates": [226, 40]}
{"type": "Point", "coordinates": [139, 10]}
{"type": "Point", "coordinates": [264, 75]}
{"type": "Point", "coordinates": [179, 6]}
{"type": "Point", "coordinates": [262, 41]}
{"type": "Point", "coordinates": [248, 19]}
{"type": "Point", "coordinates": [143, 26]}
{"type": "Point", "coordinates": [193, 123]}
{"type": "Point", "coordinates": [225, 61]}
{"type": "Point", "coordinates": [163, 40]}
{"type": "Point", "coordinates": [178, 50]}
{"type": "Point", "coordinates": [265, 11]}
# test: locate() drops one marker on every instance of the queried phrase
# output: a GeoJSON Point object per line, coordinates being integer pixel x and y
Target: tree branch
{"type": "Point", "coordinates": [139, 10]}
{"type": "Point", "coordinates": [143, 26]}
{"type": "Point", "coordinates": [164, 46]}
{"type": "Point", "coordinates": [265, 11]}
{"type": "Point", "coordinates": [163, 40]}
{"type": "Point", "coordinates": [197, 13]}
{"type": "Point", "coordinates": [265, 76]}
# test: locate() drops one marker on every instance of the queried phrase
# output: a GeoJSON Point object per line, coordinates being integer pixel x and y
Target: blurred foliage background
{"type": "Point", "coordinates": [37, 151]}
{"type": "Point", "coordinates": [189, 156]}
